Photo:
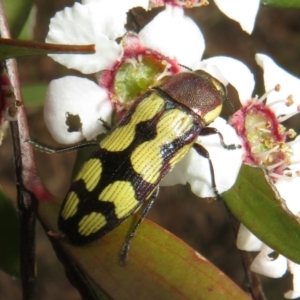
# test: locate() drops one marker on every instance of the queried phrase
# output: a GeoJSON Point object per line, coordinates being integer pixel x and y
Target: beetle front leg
{"type": "Point", "coordinates": [204, 153]}
{"type": "Point", "coordinates": [211, 130]}
{"type": "Point", "coordinates": [125, 248]}
{"type": "Point", "coordinates": [105, 124]}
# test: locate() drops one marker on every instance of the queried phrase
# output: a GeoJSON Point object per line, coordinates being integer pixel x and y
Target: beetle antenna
{"type": "Point", "coordinates": [230, 103]}
{"type": "Point", "coordinates": [185, 67]}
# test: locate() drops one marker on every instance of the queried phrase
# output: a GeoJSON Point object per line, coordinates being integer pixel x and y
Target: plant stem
{"type": "Point", "coordinates": [253, 285]}
{"type": "Point", "coordinates": [25, 175]}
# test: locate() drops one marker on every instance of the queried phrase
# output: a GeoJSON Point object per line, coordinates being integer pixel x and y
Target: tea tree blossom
{"type": "Point", "coordinates": [125, 71]}
{"type": "Point", "coordinates": [64, 28]}
{"type": "Point", "coordinates": [244, 12]}
{"type": "Point", "coordinates": [265, 142]}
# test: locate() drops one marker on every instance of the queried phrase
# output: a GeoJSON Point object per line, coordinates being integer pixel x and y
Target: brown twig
{"type": "Point", "coordinates": [253, 284]}
{"type": "Point", "coordinates": [27, 181]}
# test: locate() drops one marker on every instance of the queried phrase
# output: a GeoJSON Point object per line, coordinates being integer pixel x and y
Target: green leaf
{"type": "Point", "coordinates": [255, 203]}
{"type": "Point", "coordinates": [9, 237]}
{"type": "Point", "coordinates": [282, 3]}
{"type": "Point", "coordinates": [17, 12]}
{"type": "Point", "coordinates": [13, 48]}
{"type": "Point", "coordinates": [160, 266]}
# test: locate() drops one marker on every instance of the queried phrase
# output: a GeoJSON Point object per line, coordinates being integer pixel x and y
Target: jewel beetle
{"type": "Point", "coordinates": [127, 166]}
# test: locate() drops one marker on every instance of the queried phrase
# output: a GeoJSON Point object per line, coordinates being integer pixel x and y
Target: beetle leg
{"type": "Point", "coordinates": [211, 130]}
{"type": "Point", "coordinates": [204, 153]}
{"type": "Point", "coordinates": [126, 246]}
{"type": "Point", "coordinates": [105, 124]}
{"type": "Point", "coordinates": [51, 150]}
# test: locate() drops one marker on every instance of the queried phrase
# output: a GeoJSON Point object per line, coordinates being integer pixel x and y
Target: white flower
{"type": "Point", "coordinates": [59, 106]}
{"type": "Point", "coordinates": [93, 22]}
{"type": "Point", "coordinates": [289, 89]}
{"type": "Point", "coordinates": [170, 33]}
{"type": "Point", "coordinates": [289, 85]}
{"type": "Point", "coordinates": [242, 11]}
{"type": "Point", "coordinates": [175, 35]}
{"type": "Point", "coordinates": [287, 186]}
{"type": "Point", "coordinates": [100, 23]}
{"type": "Point", "coordinates": [87, 24]}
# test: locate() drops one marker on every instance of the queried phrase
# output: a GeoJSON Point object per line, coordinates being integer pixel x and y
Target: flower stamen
{"type": "Point", "coordinates": [276, 176]}
{"type": "Point", "coordinates": [265, 153]}
{"type": "Point", "coordinates": [278, 164]}
{"type": "Point", "coordinates": [291, 133]}
{"type": "Point", "coordinates": [191, 3]}
{"type": "Point", "coordinates": [165, 72]}
{"type": "Point", "coordinates": [266, 94]}
{"type": "Point", "coordinates": [290, 100]}
{"type": "Point", "coordinates": [287, 116]}
{"type": "Point", "coordinates": [257, 126]}
{"type": "Point", "coordinates": [132, 61]}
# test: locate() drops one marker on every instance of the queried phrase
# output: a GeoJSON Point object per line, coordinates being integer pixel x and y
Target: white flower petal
{"type": "Point", "coordinates": [84, 2]}
{"type": "Point", "coordinates": [296, 147]}
{"type": "Point", "coordinates": [288, 189]}
{"type": "Point", "coordinates": [292, 294]}
{"type": "Point", "coordinates": [194, 168]}
{"type": "Point", "coordinates": [289, 84]}
{"type": "Point", "coordinates": [295, 293]}
{"type": "Point", "coordinates": [127, 5]}
{"type": "Point", "coordinates": [294, 167]}
{"type": "Point", "coordinates": [76, 96]}
{"type": "Point", "coordinates": [174, 35]}
{"type": "Point", "coordinates": [231, 70]}
{"type": "Point", "coordinates": [267, 266]}
{"type": "Point", "coordinates": [242, 11]}
{"type": "Point", "coordinates": [247, 241]}
{"type": "Point", "coordinates": [87, 24]}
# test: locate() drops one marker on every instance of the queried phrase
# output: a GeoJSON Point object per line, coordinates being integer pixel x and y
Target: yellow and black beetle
{"type": "Point", "coordinates": [127, 165]}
